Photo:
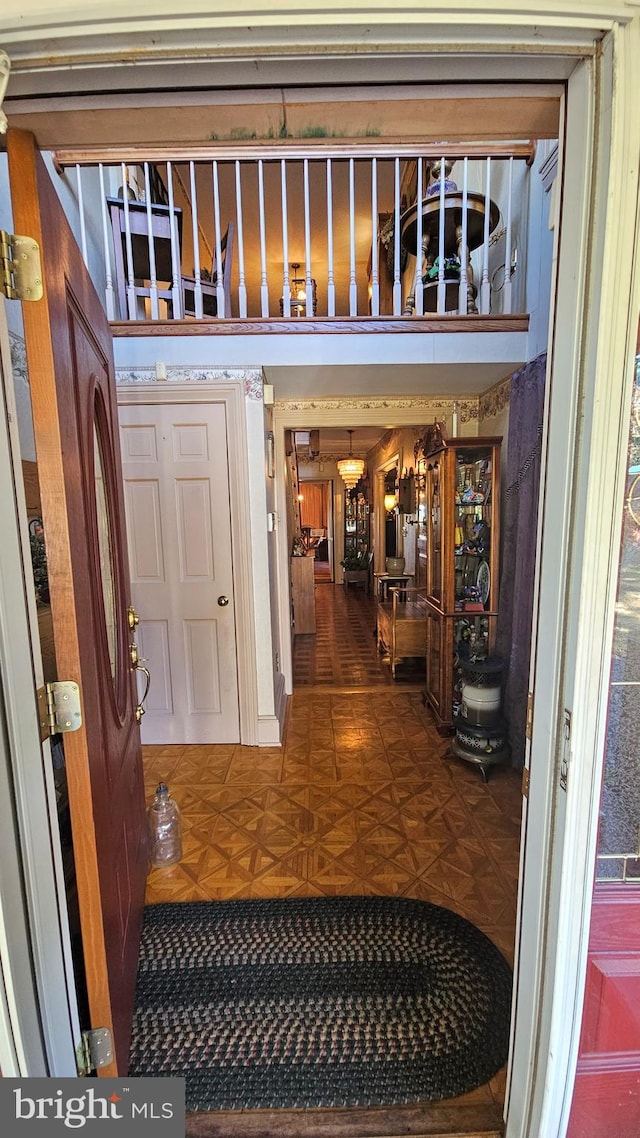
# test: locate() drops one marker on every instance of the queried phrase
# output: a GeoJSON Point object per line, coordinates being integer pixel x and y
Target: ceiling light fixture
{"type": "Point", "coordinates": [298, 294]}
{"type": "Point", "coordinates": [350, 469]}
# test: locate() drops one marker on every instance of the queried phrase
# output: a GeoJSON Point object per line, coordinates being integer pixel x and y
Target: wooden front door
{"type": "Point", "coordinates": [71, 372]}
{"type": "Point", "coordinates": [176, 485]}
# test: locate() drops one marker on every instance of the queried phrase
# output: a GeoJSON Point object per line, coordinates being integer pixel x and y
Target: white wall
{"type": "Point", "coordinates": [16, 335]}
{"type": "Point", "coordinates": [261, 556]}
{"type": "Point", "coordinates": [66, 187]}
{"type": "Point", "coordinates": [539, 269]}
{"type": "Point", "coordinates": [270, 495]}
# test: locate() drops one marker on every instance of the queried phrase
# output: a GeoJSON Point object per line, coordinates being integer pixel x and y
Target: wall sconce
{"type": "Point", "coordinates": [271, 457]}
{"type": "Point", "coordinates": [390, 501]}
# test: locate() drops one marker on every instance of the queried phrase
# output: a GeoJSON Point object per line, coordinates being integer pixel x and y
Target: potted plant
{"type": "Point", "coordinates": [356, 568]}
{"type": "Point", "coordinates": [451, 270]}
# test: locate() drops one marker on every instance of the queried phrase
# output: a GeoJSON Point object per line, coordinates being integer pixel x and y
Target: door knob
{"type": "Point", "coordinates": [134, 655]}
{"type": "Point", "coordinates": [223, 601]}
{"type": "Point", "coordinates": [133, 619]}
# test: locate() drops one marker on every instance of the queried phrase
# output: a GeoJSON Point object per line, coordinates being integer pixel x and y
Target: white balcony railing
{"type": "Point", "coordinates": [263, 230]}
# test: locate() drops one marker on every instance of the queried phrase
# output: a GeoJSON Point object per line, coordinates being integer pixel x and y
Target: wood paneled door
{"type": "Point", "coordinates": [176, 483]}
{"type": "Point", "coordinates": [69, 354]}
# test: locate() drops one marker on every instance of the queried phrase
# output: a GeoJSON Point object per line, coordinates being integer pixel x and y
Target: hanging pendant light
{"type": "Point", "coordinates": [350, 469]}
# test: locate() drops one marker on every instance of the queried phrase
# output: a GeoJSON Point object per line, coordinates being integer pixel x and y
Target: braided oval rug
{"type": "Point", "coordinates": [318, 1002]}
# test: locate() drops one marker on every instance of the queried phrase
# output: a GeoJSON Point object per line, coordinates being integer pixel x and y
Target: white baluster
{"type": "Point", "coordinates": [353, 287]}
{"type": "Point", "coordinates": [418, 286]}
{"type": "Point", "coordinates": [463, 250]}
{"type": "Point", "coordinates": [397, 283]}
{"type": "Point", "coordinates": [506, 290]}
{"type": "Point", "coordinates": [197, 282]}
{"type": "Point", "coordinates": [286, 281]}
{"type": "Point", "coordinates": [83, 230]}
{"type": "Point", "coordinates": [331, 284]}
{"type": "Point", "coordinates": [220, 298]}
{"type": "Point", "coordinates": [264, 287]}
{"type": "Point", "coordinates": [442, 288]}
{"type": "Point", "coordinates": [131, 284]}
{"type": "Point", "coordinates": [375, 283]}
{"type": "Point", "coordinates": [242, 283]}
{"type": "Point", "coordinates": [308, 307]}
{"type": "Point", "coordinates": [485, 287]}
{"type": "Point", "coordinates": [176, 291]}
{"type": "Point", "coordinates": [153, 282]}
{"type": "Point", "coordinates": [108, 291]}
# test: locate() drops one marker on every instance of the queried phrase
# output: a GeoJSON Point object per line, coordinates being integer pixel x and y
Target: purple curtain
{"type": "Point", "coordinates": [521, 484]}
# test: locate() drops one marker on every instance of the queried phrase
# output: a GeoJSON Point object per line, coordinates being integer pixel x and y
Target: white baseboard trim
{"type": "Point", "coordinates": [269, 731]}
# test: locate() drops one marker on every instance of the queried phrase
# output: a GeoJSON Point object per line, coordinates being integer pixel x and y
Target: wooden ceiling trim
{"type": "Point", "coordinates": [419, 121]}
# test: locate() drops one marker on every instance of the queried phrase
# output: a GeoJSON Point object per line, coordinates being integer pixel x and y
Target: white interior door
{"type": "Point", "coordinates": [176, 483]}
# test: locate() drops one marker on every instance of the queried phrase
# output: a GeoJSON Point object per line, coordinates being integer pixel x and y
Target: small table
{"type": "Point", "coordinates": [386, 581]}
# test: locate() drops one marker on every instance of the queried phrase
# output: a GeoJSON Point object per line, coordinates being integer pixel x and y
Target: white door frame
{"type": "Point", "coordinates": [328, 484]}
{"type": "Point", "coordinates": [380, 514]}
{"type": "Point", "coordinates": [597, 310]}
{"type": "Point", "coordinates": [39, 1026]}
{"type": "Point", "coordinates": [232, 396]}
{"type": "Point", "coordinates": [602, 380]}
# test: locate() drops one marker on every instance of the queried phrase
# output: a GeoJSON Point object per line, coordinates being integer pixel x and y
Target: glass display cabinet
{"type": "Point", "coordinates": [356, 522]}
{"type": "Point", "coordinates": [462, 492]}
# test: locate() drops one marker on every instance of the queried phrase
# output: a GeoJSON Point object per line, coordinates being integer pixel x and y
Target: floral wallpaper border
{"type": "Point", "coordinates": [468, 409]}
{"type": "Point", "coordinates": [493, 401]}
{"type": "Point", "coordinates": [251, 378]}
{"type": "Point", "coordinates": [18, 351]}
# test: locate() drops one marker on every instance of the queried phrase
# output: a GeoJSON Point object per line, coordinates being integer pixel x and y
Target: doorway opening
{"type": "Point", "coordinates": [316, 526]}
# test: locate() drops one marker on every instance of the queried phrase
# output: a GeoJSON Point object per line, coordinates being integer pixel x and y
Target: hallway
{"type": "Point", "coordinates": [342, 651]}
{"type": "Point", "coordinates": [359, 799]}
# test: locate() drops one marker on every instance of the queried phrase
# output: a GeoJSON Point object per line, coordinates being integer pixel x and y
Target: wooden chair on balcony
{"type": "Point", "coordinates": [219, 274]}
{"type": "Point", "coordinates": [141, 220]}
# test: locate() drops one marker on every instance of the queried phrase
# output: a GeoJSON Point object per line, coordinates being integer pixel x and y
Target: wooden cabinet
{"type": "Point", "coordinates": [303, 595]}
{"type": "Point", "coordinates": [462, 499]}
{"type": "Point", "coordinates": [401, 626]}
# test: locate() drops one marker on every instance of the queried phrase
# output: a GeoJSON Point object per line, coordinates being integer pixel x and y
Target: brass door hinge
{"type": "Point", "coordinates": [94, 1050]}
{"type": "Point", "coordinates": [59, 708]}
{"type": "Point", "coordinates": [528, 730]}
{"type": "Point", "coordinates": [20, 267]}
{"type": "Point", "coordinates": [525, 782]}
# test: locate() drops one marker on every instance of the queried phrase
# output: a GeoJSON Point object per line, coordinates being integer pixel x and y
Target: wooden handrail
{"type": "Point", "coordinates": [292, 149]}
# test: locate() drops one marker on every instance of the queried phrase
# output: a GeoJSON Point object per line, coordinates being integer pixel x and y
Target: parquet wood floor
{"type": "Point", "coordinates": [343, 649]}
{"type": "Point", "coordinates": [359, 799]}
